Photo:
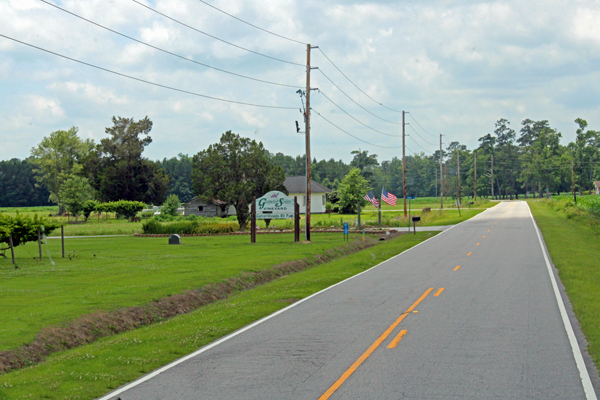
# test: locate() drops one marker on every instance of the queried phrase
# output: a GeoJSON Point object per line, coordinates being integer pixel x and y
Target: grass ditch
{"type": "Point", "coordinates": [92, 370]}
{"type": "Point", "coordinates": [572, 237]}
{"type": "Point", "coordinates": [89, 328]}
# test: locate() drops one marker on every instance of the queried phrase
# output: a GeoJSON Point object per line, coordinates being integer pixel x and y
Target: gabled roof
{"type": "Point", "coordinates": [597, 183]}
{"type": "Point", "coordinates": [297, 184]}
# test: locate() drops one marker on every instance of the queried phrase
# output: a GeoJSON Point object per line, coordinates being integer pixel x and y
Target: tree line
{"type": "Point", "coordinates": [63, 167]}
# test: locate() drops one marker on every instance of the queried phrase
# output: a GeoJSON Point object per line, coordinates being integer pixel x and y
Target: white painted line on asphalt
{"type": "Point", "coordinates": [151, 375]}
{"type": "Point", "coordinates": [590, 394]}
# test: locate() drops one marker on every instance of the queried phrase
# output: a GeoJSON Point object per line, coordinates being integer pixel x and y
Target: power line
{"type": "Point", "coordinates": [411, 138]}
{"type": "Point", "coordinates": [417, 133]}
{"type": "Point", "coordinates": [424, 130]}
{"type": "Point", "coordinates": [360, 122]}
{"type": "Point", "coordinates": [349, 80]}
{"type": "Point", "coordinates": [145, 81]}
{"type": "Point", "coordinates": [252, 25]}
{"type": "Point", "coordinates": [354, 101]}
{"type": "Point", "coordinates": [216, 38]}
{"type": "Point", "coordinates": [168, 52]}
{"type": "Point", "coordinates": [355, 137]}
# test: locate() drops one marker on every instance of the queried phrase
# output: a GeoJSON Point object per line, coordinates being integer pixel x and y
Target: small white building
{"type": "Point", "coordinates": [597, 187]}
{"type": "Point", "coordinates": [296, 186]}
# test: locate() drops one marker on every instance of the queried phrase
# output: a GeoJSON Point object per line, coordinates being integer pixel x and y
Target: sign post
{"type": "Point", "coordinates": [253, 221]}
{"type": "Point", "coordinates": [409, 199]}
{"type": "Point", "coordinates": [346, 232]}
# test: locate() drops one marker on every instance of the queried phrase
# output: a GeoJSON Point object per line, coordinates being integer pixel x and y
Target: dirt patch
{"type": "Point", "coordinates": [91, 327]}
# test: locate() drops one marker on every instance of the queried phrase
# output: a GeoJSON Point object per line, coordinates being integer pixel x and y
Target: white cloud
{"type": "Point", "coordinates": [44, 107]}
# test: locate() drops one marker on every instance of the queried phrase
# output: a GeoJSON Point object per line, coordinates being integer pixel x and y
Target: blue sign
{"type": "Point", "coordinates": [410, 197]}
{"type": "Point", "coordinates": [345, 228]}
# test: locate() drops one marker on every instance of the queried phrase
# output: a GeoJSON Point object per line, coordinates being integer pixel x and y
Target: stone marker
{"type": "Point", "coordinates": [174, 239]}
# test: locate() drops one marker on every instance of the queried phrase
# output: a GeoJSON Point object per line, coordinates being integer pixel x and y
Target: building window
{"type": "Point", "coordinates": [304, 201]}
{"type": "Point", "coordinates": [200, 208]}
{"type": "Point", "coordinates": [324, 201]}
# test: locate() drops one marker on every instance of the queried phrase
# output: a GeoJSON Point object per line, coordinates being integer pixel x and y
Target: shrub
{"type": "Point", "coordinates": [187, 227]}
{"type": "Point", "coordinates": [170, 205]}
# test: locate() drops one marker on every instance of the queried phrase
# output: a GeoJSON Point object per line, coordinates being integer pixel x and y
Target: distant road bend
{"type": "Point", "coordinates": [474, 312]}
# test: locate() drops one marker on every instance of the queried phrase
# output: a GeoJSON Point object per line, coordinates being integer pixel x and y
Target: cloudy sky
{"type": "Point", "coordinates": [456, 66]}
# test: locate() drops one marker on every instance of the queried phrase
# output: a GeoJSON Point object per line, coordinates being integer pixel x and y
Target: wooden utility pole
{"type": "Point", "coordinates": [403, 165]}
{"type": "Point", "coordinates": [492, 174]}
{"type": "Point", "coordinates": [475, 171]}
{"type": "Point", "coordinates": [307, 131]}
{"type": "Point", "coordinates": [441, 177]}
{"type": "Point", "coordinates": [573, 183]}
{"type": "Point", "coordinates": [458, 175]}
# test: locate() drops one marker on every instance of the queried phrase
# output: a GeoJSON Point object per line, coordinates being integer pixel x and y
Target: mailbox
{"type": "Point", "coordinates": [416, 219]}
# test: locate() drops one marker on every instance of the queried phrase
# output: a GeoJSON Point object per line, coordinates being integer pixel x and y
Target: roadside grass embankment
{"type": "Point", "coordinates": [104, 274]}
{"type": "Point", "coordinates": [89, 371]}
{"type": "Point", "coordinates": [573, 240]}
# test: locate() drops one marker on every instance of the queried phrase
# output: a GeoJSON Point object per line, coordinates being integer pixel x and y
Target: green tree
{"type": "Point", "coordinates": [352, 191]}
{"type": "Point", "coordinates": [365, 162]}
{"type": "Point", "coordinates": [18, 186]}
{"type": "Point", "coordinates": [170, 205]}
{"type": "Point", "coordinates": [58, 158]}
{"type": "Point", "coordinates": [234, 170]}
{"type": "Point", "coordinates": [117, 170]}
{"type": "Point", "coordinates": [74, 192]}
{"type": "Point", "coordinates": [179, 170]}
{"type": "Point", "coordinates": [89, 207]}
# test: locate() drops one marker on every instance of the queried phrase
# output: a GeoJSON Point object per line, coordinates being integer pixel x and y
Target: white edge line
{"type": "Point", "coordinates": [260, 321]}
{"type": "Point", "coordinates": [588, 388]}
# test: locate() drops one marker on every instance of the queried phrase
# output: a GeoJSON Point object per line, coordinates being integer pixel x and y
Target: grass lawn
{"type": "Point", "coordinates": [109, 273]}
{"type": "Point", "coordinates": [573, 242]}
{"type": "Point", "coordinates": [92, 370]}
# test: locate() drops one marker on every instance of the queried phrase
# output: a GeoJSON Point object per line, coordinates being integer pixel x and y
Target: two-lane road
{"type": "Point", "coordinates": [470, 313]}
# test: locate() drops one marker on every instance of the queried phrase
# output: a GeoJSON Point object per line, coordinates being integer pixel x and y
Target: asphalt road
{"type": "Point", "coordinates": [495, 331]}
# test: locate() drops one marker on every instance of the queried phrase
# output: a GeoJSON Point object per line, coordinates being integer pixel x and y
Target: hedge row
{"type": "Point", "coordinates": [188, 227]}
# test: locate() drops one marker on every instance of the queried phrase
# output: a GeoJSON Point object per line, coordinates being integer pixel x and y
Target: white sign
{"type": "Point", "coordinates": [274, 205]}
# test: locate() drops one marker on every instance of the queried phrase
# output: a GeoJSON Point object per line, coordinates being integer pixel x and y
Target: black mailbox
{"type": "Point", "coordinates": [416, 219]}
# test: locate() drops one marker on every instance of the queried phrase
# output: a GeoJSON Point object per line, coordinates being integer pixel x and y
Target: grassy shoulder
{"type": "Point", "coordinates": [572, 238]}
{"type": "Point", "coordinates": [90, 371]}
{"type": "Point", "coordinates": [103, 274]}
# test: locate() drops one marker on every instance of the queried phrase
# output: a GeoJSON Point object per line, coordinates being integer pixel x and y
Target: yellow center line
{"type": "Point", "coordinates": [488, 230]}
{"type": "Point", "coordinates": [477, 244]}
{"type": "Point", "coordinates": [469, 253]}
{"type": "Point", "coordinates": [484, 236]}
{"type": "Point", "coordinates": [397, 339]}
{"type": "Point", "coordinates": [440, 290]}
{"type": "Point", "coordinates": [457, 267]}
{"type": "Point", "coordinates": [371, 349]}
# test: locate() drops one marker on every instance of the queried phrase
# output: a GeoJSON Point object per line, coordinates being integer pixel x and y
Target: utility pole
{"type": "Point", "coordinates": [458, 175]}
{"type": "Point", "coordinates": [436, 192]}
{"type": "Point", "coordinates": [441, 177]}
{"type": "Point", "coordinates": [403, 165]}
{"type": "Point", "coordinates": [475, 192]}
{"type": "Point", "coordinates": [492, 173]}
{"type": "Point", "coordinates": [307, 131]}
{"type": "Point", "coordinates": [573, 183]}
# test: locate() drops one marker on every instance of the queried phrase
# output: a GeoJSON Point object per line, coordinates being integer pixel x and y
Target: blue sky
{"type": "Point", "coordinates": [456, 66]}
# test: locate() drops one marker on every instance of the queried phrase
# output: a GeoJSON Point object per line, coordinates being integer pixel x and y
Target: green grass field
{"type": "Point", "coordinates": [90, 371]}
{"type": "Point", "coordinates": [107, 273]}
{"type": "Point", "coordinates": [572, 237]}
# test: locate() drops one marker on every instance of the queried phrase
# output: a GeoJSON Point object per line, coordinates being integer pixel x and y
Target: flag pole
{"type": "Point", "coordinates": [380, 201]}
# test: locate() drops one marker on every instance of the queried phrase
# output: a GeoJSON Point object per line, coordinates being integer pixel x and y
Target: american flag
{"type": "Point", "coordinates": [388, 197]}
{"type": "Point", "coordinates": [371, 197]}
